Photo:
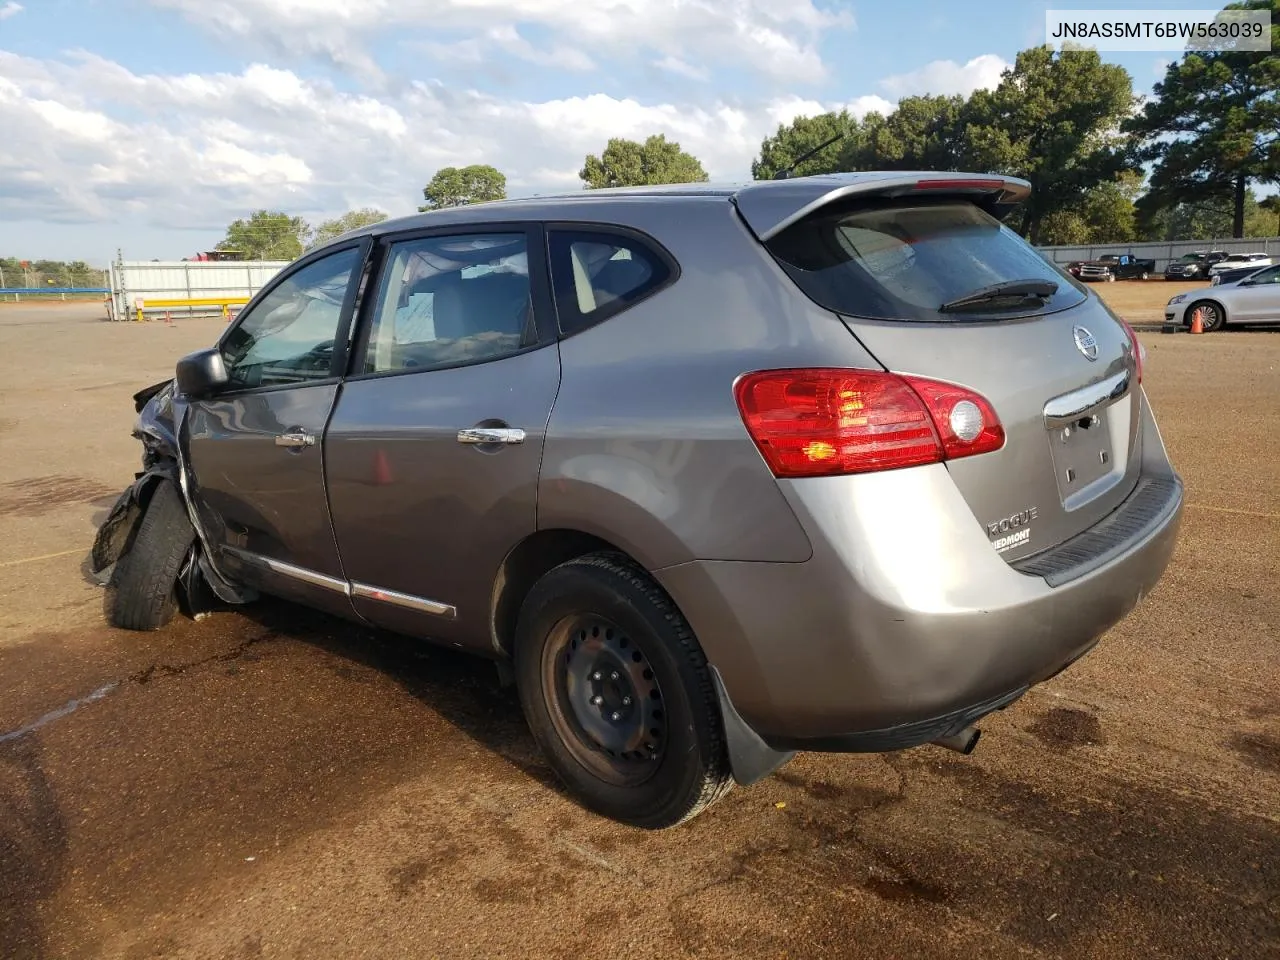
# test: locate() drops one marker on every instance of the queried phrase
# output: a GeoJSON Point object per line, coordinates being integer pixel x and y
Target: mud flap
{"type": "Point", "coordinates": [750, 758]}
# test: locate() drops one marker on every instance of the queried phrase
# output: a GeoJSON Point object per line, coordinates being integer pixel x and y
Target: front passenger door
{"type": "Point", "coordinates": [433, 452]}
{"type": "Point", "coordinates": [254, 450]}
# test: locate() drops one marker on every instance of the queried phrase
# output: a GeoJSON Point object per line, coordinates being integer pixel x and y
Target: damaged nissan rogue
{"type": "Point", "coordinates": [716, 474]}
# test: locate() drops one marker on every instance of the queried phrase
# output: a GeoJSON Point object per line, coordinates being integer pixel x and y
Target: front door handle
{"type": "Point", "coordinates": [491, 435]}
{"type": "Point", "coordinates": [300, 439]}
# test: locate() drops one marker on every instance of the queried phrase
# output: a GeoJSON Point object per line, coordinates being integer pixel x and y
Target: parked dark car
{"type": "Point", "coordinates": [1073, 268]}
{"type": "Point", "coordinates": [1193, 266]}
{"type": "Point", "coordinates": [715, 473]}
{"type": "Point", "coordinates": [1123, 266]}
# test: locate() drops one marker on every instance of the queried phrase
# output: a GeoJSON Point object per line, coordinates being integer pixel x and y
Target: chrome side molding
{"type": "Point", "coordinates": [350, 589]}
{"type": "Point", "coordinates": [294, 572]}
{"type": "Point", "coordinates": [1078, 404]}
{"type": "Point", "coordinates": [406, 600]}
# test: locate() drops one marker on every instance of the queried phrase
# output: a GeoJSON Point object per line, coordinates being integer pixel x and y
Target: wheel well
{"type": "Point", "coordinates": [535, 556]}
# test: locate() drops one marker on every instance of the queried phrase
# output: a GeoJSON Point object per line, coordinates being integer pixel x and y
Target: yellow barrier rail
{"type": "Point", "coordinates": [226, 303]}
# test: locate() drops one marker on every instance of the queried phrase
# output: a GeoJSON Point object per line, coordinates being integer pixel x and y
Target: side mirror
{"type": "Point", "coordinates": [202, 374]}
{"type": "Point", "coordinates": [1248, 283]}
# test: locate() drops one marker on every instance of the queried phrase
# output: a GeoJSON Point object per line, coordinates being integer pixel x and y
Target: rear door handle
{"type": "Point", "coordinates": [300, 439]}
{"type": "Point", "coordinates": [491, 435]}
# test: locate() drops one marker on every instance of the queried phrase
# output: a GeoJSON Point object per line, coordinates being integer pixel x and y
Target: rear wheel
{"type": "Point", "coordinates": [1212, 315]}
{"type": "Point", "coordinates": [619, 695]}
{"type": "Point", "coordinates": [142, 593]}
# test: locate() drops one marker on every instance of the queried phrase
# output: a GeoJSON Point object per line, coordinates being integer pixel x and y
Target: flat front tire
{"type": "Point", "coordinates": [619, 695]}
{"type": "Point", "coordinates": [142, 593]}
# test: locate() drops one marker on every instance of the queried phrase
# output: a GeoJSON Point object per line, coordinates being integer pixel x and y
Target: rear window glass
{"type": "Point", "coordinates": [597, 275]}
{"type": "Point", "coordinates": [896, 261]}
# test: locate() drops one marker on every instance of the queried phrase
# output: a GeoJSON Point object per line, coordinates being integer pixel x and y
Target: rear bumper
{"type": "Point", "coordinates": [904, 628]}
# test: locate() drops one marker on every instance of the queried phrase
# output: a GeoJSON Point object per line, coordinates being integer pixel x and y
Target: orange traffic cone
{"type": "Point", "coordinates": [381, 468]}
{"type": "Point", "coordinates": [1197, 321]}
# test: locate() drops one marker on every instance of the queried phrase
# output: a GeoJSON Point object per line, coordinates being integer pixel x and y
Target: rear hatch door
{"type": "Point", "coordinates": [1060, 370]}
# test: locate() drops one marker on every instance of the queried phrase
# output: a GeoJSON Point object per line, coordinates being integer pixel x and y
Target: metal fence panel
{"type": "Point", "coordinates": [1163, 252]}
{"type": "Point", "coordinates": [134, 280]}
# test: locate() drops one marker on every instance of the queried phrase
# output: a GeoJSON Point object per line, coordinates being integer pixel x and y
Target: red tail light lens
{"type": "Point", "coordinates": [827, 422]}
{"type": "Point", "coordinates": [1139, 351]}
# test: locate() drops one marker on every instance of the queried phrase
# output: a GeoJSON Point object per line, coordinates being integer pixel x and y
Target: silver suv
{"type": "Point", "coordinates": [716, 474]}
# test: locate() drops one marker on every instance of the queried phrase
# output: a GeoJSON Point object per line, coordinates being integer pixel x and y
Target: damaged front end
{"type": "Point", "coordinates": [158, 428]}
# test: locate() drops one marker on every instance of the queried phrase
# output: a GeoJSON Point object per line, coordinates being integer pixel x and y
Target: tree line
{"type": "Point", "coordinates": [1104, 166]}
{"type": "Point", "coordinates": [16, 273]}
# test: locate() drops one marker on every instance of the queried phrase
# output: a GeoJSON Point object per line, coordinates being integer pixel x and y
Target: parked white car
{"type": "Point", "coordinates": [1235, 261]}
{"type": "Point", "coordinates": [1253, 299]}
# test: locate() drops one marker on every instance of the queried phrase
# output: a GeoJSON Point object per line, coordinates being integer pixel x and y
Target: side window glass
{"type": "Point", "coordinates": [449, 300]}
{"type": "Point", "coordinates": [597, 274]}
{"type": "Point", "coordinates": [1271, 275]}
{"type": "Point", "coordinates": [288, 336]}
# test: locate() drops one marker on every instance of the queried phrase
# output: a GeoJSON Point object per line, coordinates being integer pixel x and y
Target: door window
{"type": "Point", "coordinates": [1270, 275]}
{"type": "Point", "coordinates": [597, 275]}
{"type": "Point", "coordinates": [288, 336]}
{"type": "Point", "coordinates": [444, 301]}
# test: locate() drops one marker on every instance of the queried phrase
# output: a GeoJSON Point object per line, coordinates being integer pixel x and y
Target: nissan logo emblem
{"type": "Point", "coordinates": [1085, 343]}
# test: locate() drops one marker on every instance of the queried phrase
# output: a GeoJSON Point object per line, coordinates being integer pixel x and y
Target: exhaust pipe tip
{"type": "Point", "coordinates": [961, 742]}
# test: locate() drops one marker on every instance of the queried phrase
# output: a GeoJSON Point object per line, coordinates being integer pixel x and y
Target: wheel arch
{"type": "Point", "coordinates": [750, 758]}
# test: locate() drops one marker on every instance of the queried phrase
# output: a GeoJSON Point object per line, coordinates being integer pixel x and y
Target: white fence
{"type": "Point", "coordinates": [131, 281]}
{"type": "Point", "coordinates": [1162, 253]}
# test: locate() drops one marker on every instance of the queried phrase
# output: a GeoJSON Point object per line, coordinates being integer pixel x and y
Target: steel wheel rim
{"type": "Point", "coordinates": [604, 699]}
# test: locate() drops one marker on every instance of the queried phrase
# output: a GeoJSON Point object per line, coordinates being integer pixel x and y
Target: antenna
{"type": "Point", "coordinates": [785, 174]}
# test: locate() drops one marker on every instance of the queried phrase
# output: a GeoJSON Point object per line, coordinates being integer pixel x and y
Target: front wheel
{"type": "Point", "coordinates": [1212, 316]}
{"type": "Point", "coordinates": [619, 695]}
{"type": "Point", "coordinates": [142, 593]}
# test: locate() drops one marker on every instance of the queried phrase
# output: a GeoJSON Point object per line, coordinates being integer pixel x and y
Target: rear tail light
{"type": "Point", "coordinates": [827, 422]}
{"type": "Point", "coordinates": [1139, 351]}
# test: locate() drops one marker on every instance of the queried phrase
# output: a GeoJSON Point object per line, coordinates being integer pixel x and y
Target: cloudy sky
{"type": "Point", "coordinates": [150, 124]}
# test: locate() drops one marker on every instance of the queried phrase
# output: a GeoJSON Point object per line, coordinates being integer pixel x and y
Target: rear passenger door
{"type": "Point", "coordinates": [433, 450]}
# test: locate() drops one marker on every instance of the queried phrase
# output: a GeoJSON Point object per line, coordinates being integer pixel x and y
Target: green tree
{"type": "Point", "coordinates": [1213, 124]}
{"type": "Point", "coordinates": [266, 235]}
{"type": "Point", "coordinates": [351, 220]}
{"type": "Point", "coordinates": [455, 186]}
{"type": "Point", "coordinates": [627, 163]}
{"type": "Point", "coordinates": [923, 133]}
{"type": "Point", "coordinates": [1271, 207]}
{"type": "Point", "coordinates": [1051, 121]}
{"type": "Point", "coordinates": [793, 140]}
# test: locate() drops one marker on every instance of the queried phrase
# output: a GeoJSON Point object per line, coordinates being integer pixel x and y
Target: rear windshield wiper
{"type": "Point", "coordinates": [1006, 290]}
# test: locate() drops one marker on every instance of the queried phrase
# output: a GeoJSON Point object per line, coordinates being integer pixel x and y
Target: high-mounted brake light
{"type": "Point", "coordinates": [1139, 351]}
{"type": "Point", "coordinates": [831, 421]}
{"type": "Point", "coordinates": [960, 184]}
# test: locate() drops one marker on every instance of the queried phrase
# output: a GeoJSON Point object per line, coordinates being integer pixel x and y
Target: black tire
{"type": "Point", "coordinates": [142, 593]}
{"type": "Point", "coordinates": [656, 784]}
{"type": "Point", "coordinates": [1214, 316]}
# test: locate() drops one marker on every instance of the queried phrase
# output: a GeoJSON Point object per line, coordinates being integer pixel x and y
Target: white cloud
{"type": "Point", "coordinates": [948, 77]}
{"type": "Point", "coordinates": [10, 9]}
{"type": "Point", "coordinates": [774, 37]}
{"type": "Point", "coordinates": [677, 66]}
{"type": "Point", "coordinates": [88, 140]}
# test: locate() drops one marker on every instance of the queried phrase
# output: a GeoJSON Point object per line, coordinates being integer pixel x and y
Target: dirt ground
{"type": "Point", "coordinates": [274, 783]}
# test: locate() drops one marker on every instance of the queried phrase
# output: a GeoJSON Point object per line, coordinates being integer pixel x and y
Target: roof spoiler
{"type": "Point", "coordinates": [770, 206]}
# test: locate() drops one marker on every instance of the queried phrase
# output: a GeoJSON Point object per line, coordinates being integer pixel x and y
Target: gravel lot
{"type": "Point", "coordinates": [274, 783]}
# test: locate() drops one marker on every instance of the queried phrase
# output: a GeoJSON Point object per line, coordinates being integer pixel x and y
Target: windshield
{"type": "Point", "coordinates": [1191, 257]}
{"type": "Point", "coordinates": [902, 261]}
